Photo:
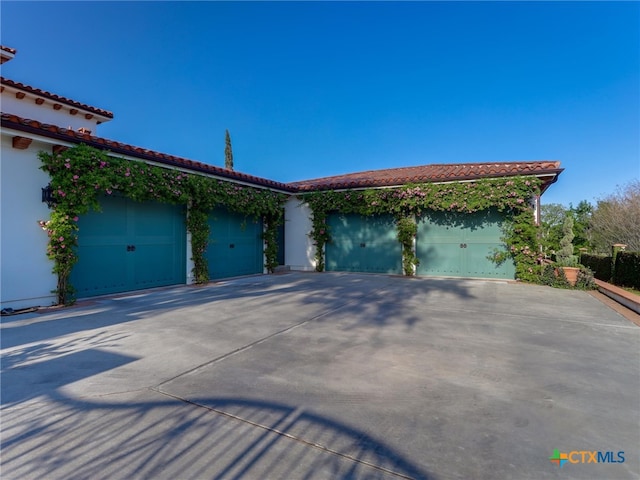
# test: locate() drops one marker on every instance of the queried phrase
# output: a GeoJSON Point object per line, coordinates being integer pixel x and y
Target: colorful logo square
{"type": "Point", "coordinates": [559, 458]}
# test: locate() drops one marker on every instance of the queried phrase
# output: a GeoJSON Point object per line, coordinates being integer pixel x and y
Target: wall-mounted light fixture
{"type": "Point", "coordinates": [47, 196]}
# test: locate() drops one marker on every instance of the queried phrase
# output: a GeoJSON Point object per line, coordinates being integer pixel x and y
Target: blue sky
{"type": "Point", "coordinates": [317, 89]}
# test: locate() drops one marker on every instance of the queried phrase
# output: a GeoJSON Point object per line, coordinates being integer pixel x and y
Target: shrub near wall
{"type": "Point", "coordinates": [600, 265]}
{"type": "Point", "coordinates": [627, 270]}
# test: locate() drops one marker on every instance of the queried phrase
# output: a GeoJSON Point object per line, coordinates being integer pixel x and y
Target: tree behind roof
{"type": "Point", "coordinates": [228, 152]}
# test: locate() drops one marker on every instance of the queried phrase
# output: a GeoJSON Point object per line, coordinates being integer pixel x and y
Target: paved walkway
{"type": "Point", "coordinates": [322, 376]}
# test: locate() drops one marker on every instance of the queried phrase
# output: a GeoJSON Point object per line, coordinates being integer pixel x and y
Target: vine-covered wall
{"type": "Point", "coordinates": [508, 195]}
{"type": "Point", "coordinates": [81, 174]}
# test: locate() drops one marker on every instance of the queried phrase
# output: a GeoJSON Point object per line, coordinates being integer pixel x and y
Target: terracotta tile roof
{"type": "Point", "coordinates": [54, 97]}
{"type": "Point", "coordinates": [548, 171]}
{"type": "Point", "coordinates": [432, 173]}
{"type": "Point", "coordinates": [65, 134]}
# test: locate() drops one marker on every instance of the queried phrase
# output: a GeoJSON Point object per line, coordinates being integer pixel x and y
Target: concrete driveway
{"type": "Point", "coordinates": [336, 376]}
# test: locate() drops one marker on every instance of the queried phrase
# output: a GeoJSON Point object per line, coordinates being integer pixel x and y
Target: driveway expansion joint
{"type": "Point", "coordinates": [264, 339]}
{"type": "Point", "coordinates": [291, 418]}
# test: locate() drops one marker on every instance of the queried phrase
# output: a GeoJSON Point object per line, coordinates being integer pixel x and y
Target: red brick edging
{"type": "Point", "coordinates": [620, 295]}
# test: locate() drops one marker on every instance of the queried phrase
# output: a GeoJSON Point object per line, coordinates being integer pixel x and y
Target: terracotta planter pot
{"type": "Point", "coordinates": [572, 274]}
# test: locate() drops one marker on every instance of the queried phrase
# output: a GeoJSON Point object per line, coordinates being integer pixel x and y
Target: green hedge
{"type": "Point", "coordinates": [627, 271]}
{"type": "Point", "coordinates": [600, 265]}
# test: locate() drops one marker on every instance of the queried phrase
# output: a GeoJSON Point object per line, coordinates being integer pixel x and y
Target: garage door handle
{"type": "Point", "coordinates": [131, 248]}
{"type": "Point", "coordinates": [362, 245]}
{"type": "Point", "coordinates": [463, 245]}
{"type": "Point", "coordinates": [231, 245]}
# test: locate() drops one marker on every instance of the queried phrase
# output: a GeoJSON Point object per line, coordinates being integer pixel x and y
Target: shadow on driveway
{"type": "Point", "coordinates": [168, 438]}
{"type": "Point", "coordinates": [138, 432]}
{"type": "Point", "coordinates": [388, 300]}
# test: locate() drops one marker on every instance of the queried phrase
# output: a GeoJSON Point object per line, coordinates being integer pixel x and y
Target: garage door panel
{"type": "Point", "coordinates": [108, 225]}
{"type": "Point", "coordinates": [158, 239]}
{"type": "Point", "coordinates": [151, 220]}
{"type": "Point", "coordinates": [460, 245]}
{"type": "Point", "coordinates": [440, 259]}
{"type": "Point", "coordinates": [235, 245]}
{"type": "Point", "coordinates": [478, 264]}
{"type": "Point", "coordinates": [225, 261]}
{"type": "Point", "coordinates": [382, 258]}
{"type": "Point", "coordinates": [149, 271]}
{"type": "Point", "coordinates": [101, 269]}
{"type": "Point", "coordinates": [363, 244]}
{"type": "Point", "coordinates": [128, 246]}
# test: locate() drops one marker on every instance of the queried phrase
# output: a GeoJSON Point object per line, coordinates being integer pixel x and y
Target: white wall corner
{"type": "Point", "coordinates": [299, 248]}
{"type": "Point", "coordinates": [26, 277]}
{"type": "Point", "coordinates": [191, 279]}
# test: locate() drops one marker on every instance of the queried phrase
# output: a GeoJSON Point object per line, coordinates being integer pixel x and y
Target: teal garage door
{"type": "Point", "coordinates": [363, 244]}
{"type": "Point", "coordinates": [458, 244]}
{"type": "Point", "coordinates": [235, 245]}
{"type": "Point", "coordinates": [129, 246]}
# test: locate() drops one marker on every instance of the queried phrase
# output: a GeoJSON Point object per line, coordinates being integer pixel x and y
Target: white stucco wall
{"type": "Point", "coordinates": [27, 108]}
{"type": "Point", "coordinates": [190, 263]}
{"type": "Point", "coordinates": [299, 251]}
{"type": "Point", "coordinates": [26, 279]}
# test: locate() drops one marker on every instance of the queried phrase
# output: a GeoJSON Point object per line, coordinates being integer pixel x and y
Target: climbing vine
{"type": "Point", "coordinates": [409, 202]}
{"type": "Point", "coordinates": [81, 175]}
{"type": "Point", "coordinates": [270, 235]}
{"type": "Point", "coordinates": [407, 231]}
{"type": "Point", "coordinates": [198, 226]}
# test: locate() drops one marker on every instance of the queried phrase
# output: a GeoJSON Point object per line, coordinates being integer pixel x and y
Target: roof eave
{"type": "Point", "coordinates": [553, 173]}
{"type": "Point", "coordinates": [104, 115]}
{"type": "Point", "coordinates": [72, 137]}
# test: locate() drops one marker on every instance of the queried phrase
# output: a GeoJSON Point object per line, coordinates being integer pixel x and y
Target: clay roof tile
{"type": "Point", "coordinates": [386, 177]}
{"type": "Point", "coordinates": [54, 97]}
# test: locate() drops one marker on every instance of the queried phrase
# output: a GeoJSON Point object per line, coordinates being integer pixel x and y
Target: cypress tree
{"type": "Point", "coordinates": [228, 153]}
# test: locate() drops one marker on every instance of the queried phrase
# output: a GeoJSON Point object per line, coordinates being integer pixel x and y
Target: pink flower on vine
{"type": "Point", "coordinates": [109, 191]}
{"type": "Point", "coordinates": [76, 177]}
{"type": "Point", "coordinates": [61, 239]}
{"type": "Point", "coordinates": [75, 219]}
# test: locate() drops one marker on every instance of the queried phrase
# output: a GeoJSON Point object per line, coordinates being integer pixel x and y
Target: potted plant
{"type": "Point", "coordinates": [565, 258]}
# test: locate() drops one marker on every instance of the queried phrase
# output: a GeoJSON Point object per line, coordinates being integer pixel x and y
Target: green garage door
{"type": "Point", "coordinates": [129, 246]}
{"type": "Point", "coordinates": [363, 244]}
{"type": "Point", "coordinates": [458, 244]}
{"type": "Point", "coordinates": [235, 245]}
